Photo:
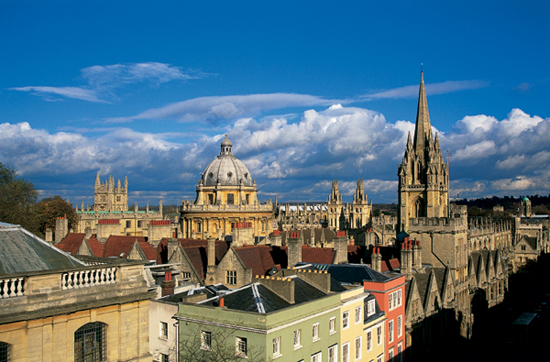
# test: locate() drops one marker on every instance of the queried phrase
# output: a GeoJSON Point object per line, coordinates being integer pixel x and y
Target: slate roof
{"type": "Point", "coordinates": [209, 290]}
{"type": "Point", "coordinates": [349, 273]}
{"type": "Point", "coordinates": [255, 297]}
{"type": "Point", "coordinates": [22, 252]}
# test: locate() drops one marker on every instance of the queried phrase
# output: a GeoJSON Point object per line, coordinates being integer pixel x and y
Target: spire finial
{"type": "Point", "coordinates": [421, 67]}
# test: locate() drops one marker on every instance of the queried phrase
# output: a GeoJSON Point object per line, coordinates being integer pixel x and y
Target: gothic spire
{"type": "Point", "coordinates": [423, 129]}
{"type": "Point", "coordinates": [97, 181]}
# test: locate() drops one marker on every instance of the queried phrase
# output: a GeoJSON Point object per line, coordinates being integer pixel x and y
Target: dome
{"type": "Point", "coordinates": [227, 169]}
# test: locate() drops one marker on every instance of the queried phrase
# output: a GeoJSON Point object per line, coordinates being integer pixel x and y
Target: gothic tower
{"type": "Point", "coordinates": [423, 174]}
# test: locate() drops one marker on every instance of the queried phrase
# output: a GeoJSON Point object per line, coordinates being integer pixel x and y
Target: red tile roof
{"type": "Point", "coordinates": [257, 257]}
{"type": "Point", "coordinates": [96, 246]}
{"type": "Point", "coordinates": [149, 250]}
{"type": "Point", "coordinates": [118, 244]}
{"type": "Point", "coordinates": [391, 264]}
{"type": "Point", "coordinates": [317, 255]}
{"type": "Point", "coordinates": [71, 243]}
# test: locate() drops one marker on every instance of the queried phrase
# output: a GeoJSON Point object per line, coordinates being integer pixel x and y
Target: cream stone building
{"type": "Point", "coordinates": [226, 195]}
{"type": "Point", "coordinates": [54, 307]}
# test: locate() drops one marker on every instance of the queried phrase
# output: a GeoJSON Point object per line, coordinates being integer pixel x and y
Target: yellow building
{"type": "Point", "coordinates": [362, 336]}
{"type": "Point", "coordinates": [54, 307]}
{"type": "Point", "coordinates": [226, 195]}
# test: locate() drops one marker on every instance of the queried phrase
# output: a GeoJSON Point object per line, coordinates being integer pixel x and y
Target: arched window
{"type": "Point", "coordinates": [90, 342]}
{"type": "Point", "coordinates": [5, 352]}
{"type": "Point", "coordinates": [418, 208]}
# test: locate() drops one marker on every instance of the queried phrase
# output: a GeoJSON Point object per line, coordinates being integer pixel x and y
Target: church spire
{"type": "Point", "coordinates": [423, 129]}
{"type": "Point", "coordinates": [97, 181]}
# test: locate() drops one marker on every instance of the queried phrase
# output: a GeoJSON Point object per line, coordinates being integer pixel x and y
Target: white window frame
{"type": "Point", "coordinates": [400, 352]}
{"type": "Point", "coordinates": [276, 347]}
{"type": "Point", "coordinates": [315, 332]}
{"type": "Point", "coordinates": [390, 331]}
{"type": "Point", "coordinates": [380, 358]}
{"type": "Point", "coordinates": [317, 357]}
{"type": "Point", "coordinates": [345, 356]}
{"type": "Point", "coordinates": [371, 307]}
{"type": "Point", "coordinates": [241, 341]}
{"type": "Point", "coordinates": [345, 320]}
{"type": "Point", "coordinates": [399, 326]}
{"type": "Point", "coordinates": [163, 330]}
{"type": "Point", "coordinates": [358, 348]}
{"type": "Point", "coordinates": [390, 355]}
{"type": "Point", "coordinates": [369, 339]}
{"type": "Point", "coordinates": [332, 325]}
{"type": "Point", "coordinates": [297, 339]}
{"type": "Point", "coordinates": [334, 351]}
{"type": "Point", "coordinates": [206, 341]}
{"type": "Point", "coordinates": [164, 357]}
{"type": "Point", "coordinates": [357, 314]}
{"type": "Point", "coordinates": [379, 334]}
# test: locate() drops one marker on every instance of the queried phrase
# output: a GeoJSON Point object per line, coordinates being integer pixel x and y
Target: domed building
{"type": "Point", "coordinates": [226, 200]}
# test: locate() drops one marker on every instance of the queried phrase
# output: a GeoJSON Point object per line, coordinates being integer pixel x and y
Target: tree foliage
{"type": "Point", "coordinates": [50, 208]}
{"type": "Point", "coordinates": [17, 200]}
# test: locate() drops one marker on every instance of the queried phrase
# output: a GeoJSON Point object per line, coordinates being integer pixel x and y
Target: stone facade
{"type": "Point", "coordinates": [226, 195]}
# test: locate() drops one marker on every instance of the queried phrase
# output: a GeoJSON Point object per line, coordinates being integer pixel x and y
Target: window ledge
{"type": "Point", "coordinates": [277, 356]}
{"type": "Point", "coordinates": [316, 339]}
{"type": "Point", "coordinates": [164, 339]}
{"type": "Point", "coordinates": [297, 347]}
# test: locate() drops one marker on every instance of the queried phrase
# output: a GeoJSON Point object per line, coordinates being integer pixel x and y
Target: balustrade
{"type": "Point", "coordinates": [12, 287]}
{"type": "Point", "coordinates": [88, 278]}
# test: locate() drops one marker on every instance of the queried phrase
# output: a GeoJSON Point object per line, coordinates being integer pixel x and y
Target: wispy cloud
{"type": "Point", "coordinates": [68, 92]}
{"type": "Point", "coordinates": [103, 79]}
{"type": "Point", "coordinates": [411, 91]}
{"type": "Point", "coordinates": [213, 109]}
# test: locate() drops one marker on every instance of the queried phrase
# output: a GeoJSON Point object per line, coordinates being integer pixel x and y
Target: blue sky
{"type": "Point", "coordinates": [308, 91]}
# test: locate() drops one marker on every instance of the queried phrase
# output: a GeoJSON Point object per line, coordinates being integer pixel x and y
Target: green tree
{"type": "Point", "coordinates": [50, 208]}
{"type": "Point", "coordinates": [17, 200]}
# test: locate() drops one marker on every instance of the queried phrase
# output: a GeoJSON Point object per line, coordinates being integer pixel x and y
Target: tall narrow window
{"type": "Point", "coordinates": [163, 330]}
{"type": "Point", "coordinates": [390, 331]}
{"type": "Point", "coordinates": [345, 320]}
{"type": "Point", "coordinates": [317, 357]}
{"type": "Point", "coordinates": [369, 340]}
{"type": "Point", "coordinates": [357, 348]}
{"type": "Point", "coordinates": [379, 335]}
{"type": "Point", "coordinates": [90, 343]}
{"type": "Point", "coordinates": [5, 352]}
{"type": "Point", "coordinates": [399, 326]}
{"type": "Point", "coordinates": [206, 341]}
{"type": "Point", "coordinates": [276, 346]}
{"type": "Point", "coordinates": [345, 352]}
{"type": "Point", "coordinates": [315, 331]}
{"type": "Point", "coordinates": [357, 314]}
{"type": "Point", "coordinates": [230, 199]}
{"type": "Point", "coordinates": [332, 325]}
{"type": "Point", "coordinates": [241, 346]}
{"type": "Point", "coordinates": [333, 353]}
{"type": "Point", "coordinates": [297, 339]}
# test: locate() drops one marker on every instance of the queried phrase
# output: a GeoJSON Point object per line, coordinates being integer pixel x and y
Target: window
{"type": "Point", "coordinates": [399, 325]}
{"type": "Point", "coordinates": [379, 335]}
{"type": "Point", "coordinates": [210, 199]}
{"type": "Point", "coordinates": [395, 299]}
{"type": "Point", "coordinates": [400, 352]}
{"type": "Point", "coordinates": [206, 341]}
{"type": "Point", "coordinates": [333, 353]}
{"type": "Point", "coordinates": [231, 277]}
{"type": "Point", "coordinates": [369, 339]}
{"type": "Point", "coordinates": [345, 352]}
{"type": "Point", "coordinates": [345, 320]}
{"type": "Point", "coordinates": [139, 223]}
{"type": "Point", "coordinates": [316, 357]}
{"type": "Point", "coordinates": [230, 199]}
{"type": "Point", "coordinates": [332, 325]}
{"type": "Point", "coordinates": [240, 345]}
{"type": "Point", "coordinates": [186, 275]}
{"type": "Point", "coordinates": [163, 330]}
{"type": "Point", "coordinates": [5, 352]}
{"type": "Point", "coordinates": [390, 355]}
{"type": "Point", "coordinates": [118, 199]}
{"type": "Point", "coordinates": [380, 358]}
{"type": "Point", "coordinates": [90, 342]}
{"type": "Point", "coordinates": [357, 314]}
{"type": "Point", "coordinates": [371, 307]}
{"type": "Point", "coordinates": [390, 303]}
{"type": "Point", "coordinates": [357, 348]}
{"type": "Point", "coordinates": [315, 331]}
{"type": "Point", "coordinates": [297, 342]}
{"type": "Point", "coordinates": [128, 224]}
{"type": "Point", "coordinates": [276, 347]}
{"type": "Point", "coordinates": [399, 297]}
{"type": "Point", "coordinates": [523, 248]}
{"type": "Point", "coordinates": [390, 331]}
{"type": "Point", "coordinates": [164, 358]}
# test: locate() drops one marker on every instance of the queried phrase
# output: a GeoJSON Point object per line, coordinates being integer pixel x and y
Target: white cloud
{"type": "Point", "coordinates": [217, 108]}
{"type": "Point", "coordinates": [482, 149]}
{"type": "Point", "coordinates": [102, 79]}
{"type": "Point", "coordinates": [411, 91]}
{"type": "Point", "coordinates": [69, 92]}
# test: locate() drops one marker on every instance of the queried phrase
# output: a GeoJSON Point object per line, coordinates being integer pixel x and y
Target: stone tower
{"type": "Point", "coordinates": [423, 174]}
{"type": "Point", "coordinates": [108, 197]}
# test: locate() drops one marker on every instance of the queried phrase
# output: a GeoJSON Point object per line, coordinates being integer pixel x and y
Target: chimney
{"type": "Point", "coordinates": [49, 237]}
{"type": "Point", "coordinates": [222, 302]}
{"type": "Point", "coordinates": [211, 251]}
{"type": "Point", "coordinates": [283, 287]}
{"type": "Point", "coordinates": [417, 255]}
{"type": "Point", "coordinates": [376, 259]}
{"type": "Point", "coordinates": [406, 257]}
{"type": "Point", "coordinates": [276, 238]}
{"type": "Point", "coordinates": [340, 248]}
{"type": "Point", "coordinates": [61, 228]}
{"type": "Point", "coordinates": [88, 233]}
{"type": "Point", "coordinates": [167, 284]}
{"type": "Point", "coordinates": [294, 243]}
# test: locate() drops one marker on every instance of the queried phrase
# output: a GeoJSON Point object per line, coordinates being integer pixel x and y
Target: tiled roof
{"type": "Point", "coordinates": [21, 251]}
{"type": "Point", "coordinates": [391, 264]}
{"type": "Point", "coordinates": [149, 250]}
{"type": "Point", "coordinates": [198, 255]}
{"type": "Point", "coordinates": [96, 246]}
{"type": "Point", "coordinates": [71, 243]}
{"type": "Point", "coordinates": [257, 257]}
{"type": "Point", "coordinates": [317, 255]}
{"type": "Point", "coordinates": [118, 244]}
